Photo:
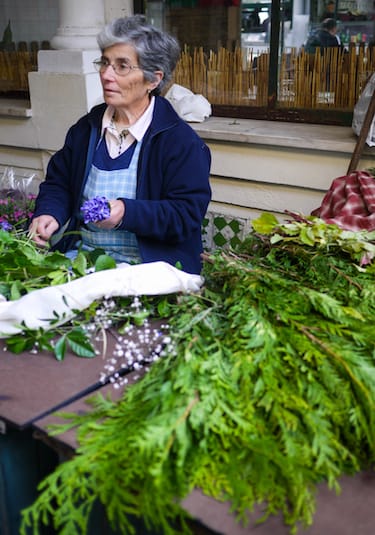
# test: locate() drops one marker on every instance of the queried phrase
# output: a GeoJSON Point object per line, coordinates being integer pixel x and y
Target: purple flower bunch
{"type": "Point", "coordinates": [16, 209]}
{"type": "Point", "coordinates": [95, 209]}
{"type": "Point", "coordinates": [4, 225]}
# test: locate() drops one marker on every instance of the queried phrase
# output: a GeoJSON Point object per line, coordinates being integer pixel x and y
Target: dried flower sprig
{"type": "Point", "coordinates": [95, 209]}
{"type": "Point", "coordinates": [139, 342]}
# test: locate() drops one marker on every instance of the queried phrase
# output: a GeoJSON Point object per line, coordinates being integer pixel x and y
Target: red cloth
{"type": "Point", "coordinates": [350, 202]}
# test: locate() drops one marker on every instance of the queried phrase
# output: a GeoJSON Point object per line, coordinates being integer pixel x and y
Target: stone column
{"type": "Point", "coordinates": [80, 21]}
{"type": "Point", "coordinates": [66, 85]}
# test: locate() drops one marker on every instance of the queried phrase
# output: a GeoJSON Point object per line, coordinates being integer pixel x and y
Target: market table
{"type": "Point", "coordinates": [350, 513]}
{"type": "Point", "coordinates": [33, 386]}
{"type": "Point", "coordinates": [66, 443]}
{"type": "Point", "coordinates": [34, 389]}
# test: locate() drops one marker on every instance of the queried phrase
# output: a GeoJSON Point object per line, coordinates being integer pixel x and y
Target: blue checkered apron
{"type": "Point", "coordinates": [112, 178]}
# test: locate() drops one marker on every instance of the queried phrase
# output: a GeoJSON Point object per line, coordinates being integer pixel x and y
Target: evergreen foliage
{"type": "Point", "coordinates": [272, 391]}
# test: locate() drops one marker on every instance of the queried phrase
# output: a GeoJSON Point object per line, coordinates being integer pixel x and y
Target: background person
{"type": "Point", "coordinates": [324, 37]}
{"type": "Point", "coordinates": [136, 152]}
{"type": "Point", "coordinates": [329, 11]}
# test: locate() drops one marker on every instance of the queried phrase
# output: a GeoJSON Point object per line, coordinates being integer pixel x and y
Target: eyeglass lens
{"type": "Point", "coordinates": [119, 66]}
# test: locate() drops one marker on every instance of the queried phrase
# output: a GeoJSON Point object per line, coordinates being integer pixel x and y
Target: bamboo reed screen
{"type": "Point", "coordinates": [14, 69]}
{"type": "Point", "coordinates": [329, 79]}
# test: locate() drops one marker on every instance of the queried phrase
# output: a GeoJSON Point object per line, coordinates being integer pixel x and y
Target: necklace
{"type": "Point", "coordinates": [124, 132]}
{"type": "Point", "coordinates": [121, 135]}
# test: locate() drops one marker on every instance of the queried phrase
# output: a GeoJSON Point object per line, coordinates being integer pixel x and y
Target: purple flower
{"type": "Point", "coordinates": [4, 225]}
{"type": "Point", "coordinates": [16, 208]}
{"type": "Point", "coordinates": [95, 209]}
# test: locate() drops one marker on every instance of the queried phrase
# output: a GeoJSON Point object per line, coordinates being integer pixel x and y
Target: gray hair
{"type": "Point", "coordinates": [156, 50]}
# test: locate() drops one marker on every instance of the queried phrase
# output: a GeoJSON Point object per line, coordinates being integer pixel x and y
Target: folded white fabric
{"type": "Point", "coordinates": [39, 307]}
{"type": "Point", "coordinates": [191, 107]}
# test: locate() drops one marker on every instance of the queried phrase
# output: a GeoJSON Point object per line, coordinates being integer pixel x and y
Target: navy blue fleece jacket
{"type": "Point", "coordinates": [173, 189]}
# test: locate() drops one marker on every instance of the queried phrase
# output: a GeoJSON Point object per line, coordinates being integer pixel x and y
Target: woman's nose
{"type": "Point", "coordinates": [108, 73]}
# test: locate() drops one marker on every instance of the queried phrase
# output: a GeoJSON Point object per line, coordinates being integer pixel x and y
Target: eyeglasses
{"type": "Point", "coordinates": [119, 66]}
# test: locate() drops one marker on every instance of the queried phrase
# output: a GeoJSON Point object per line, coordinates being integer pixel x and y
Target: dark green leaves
{"type": "Point", "coordinates": [30, 339]}
{"type": "Point", "coordinates": [78, 342]}
{"type": "Point", "coordinates": [24, 267]}
{"type": "Point", "coordinates": [74, 339]}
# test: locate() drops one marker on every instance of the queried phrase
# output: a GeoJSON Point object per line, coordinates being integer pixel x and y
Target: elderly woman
{"type": "Point", "coordinates": [134, 151]}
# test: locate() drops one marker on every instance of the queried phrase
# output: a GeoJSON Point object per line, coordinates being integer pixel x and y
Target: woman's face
{"type": "Point", "coordinates": [130, 91]}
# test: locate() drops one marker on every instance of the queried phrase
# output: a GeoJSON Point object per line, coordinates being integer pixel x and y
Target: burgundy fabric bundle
{"type": "Point", "coordinates": [350, 202]}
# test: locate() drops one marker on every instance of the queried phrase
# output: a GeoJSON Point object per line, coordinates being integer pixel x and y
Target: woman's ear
{"type": "Point", "coordinates": [159, 75]}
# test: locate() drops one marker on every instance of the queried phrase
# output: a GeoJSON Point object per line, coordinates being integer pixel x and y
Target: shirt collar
{"type": "Point", "coordinates": [138, 129]}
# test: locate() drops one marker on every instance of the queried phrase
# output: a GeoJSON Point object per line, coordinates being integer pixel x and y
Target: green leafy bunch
{"type": "Point", "coordinates": [316, 233]}
{"type": "Point", "coordinates": [24, 267]}
{"type": "Point", "coordinates": [271, 392]}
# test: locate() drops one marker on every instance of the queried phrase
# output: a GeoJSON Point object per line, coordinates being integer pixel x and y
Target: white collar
{"type": "Point", "coordinates": [138, 129]}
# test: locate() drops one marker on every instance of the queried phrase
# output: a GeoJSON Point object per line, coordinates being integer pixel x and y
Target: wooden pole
{"type": "Point", "coordinates": [274, 53]}
{"type": "Point", "coordinates": [362, 135]}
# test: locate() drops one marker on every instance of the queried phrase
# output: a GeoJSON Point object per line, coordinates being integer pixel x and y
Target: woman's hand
{"type": "Point", "coordinates": [42, 228]}
{"type": "Point", "coordinates": [116, 215]}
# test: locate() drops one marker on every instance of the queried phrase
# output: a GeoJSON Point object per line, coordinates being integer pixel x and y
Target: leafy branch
{"type": "Point", "coordinates": [269, 390]}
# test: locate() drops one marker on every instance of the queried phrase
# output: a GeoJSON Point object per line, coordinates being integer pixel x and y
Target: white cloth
{"type": "Point", "coordinates": [39, 307]}
{"type": "Point", "coordinates": [360, 111]}
{"type": "Point", "coordinates": [192, 108]}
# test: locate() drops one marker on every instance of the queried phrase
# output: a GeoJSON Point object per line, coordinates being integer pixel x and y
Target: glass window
{"type": "Point", "coordinates": [250, 58]}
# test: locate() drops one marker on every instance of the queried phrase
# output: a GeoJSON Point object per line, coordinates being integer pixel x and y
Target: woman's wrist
{"type": "Point", "coordinates": [116, 227]}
